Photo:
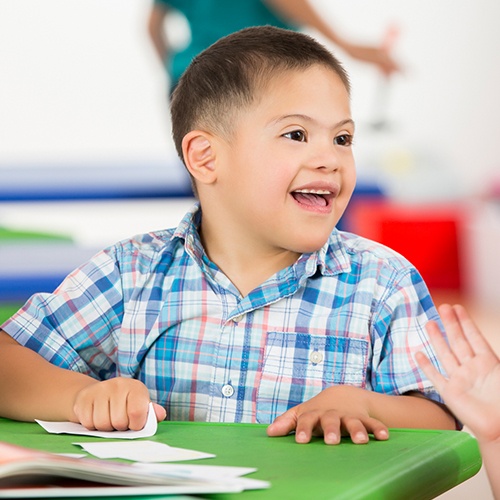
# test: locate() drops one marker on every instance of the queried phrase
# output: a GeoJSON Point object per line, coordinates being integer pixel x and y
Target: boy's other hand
{"type": "Point", "coordinates": [335, 412]}
{"type": "Point", "coordinates": [116, 404]}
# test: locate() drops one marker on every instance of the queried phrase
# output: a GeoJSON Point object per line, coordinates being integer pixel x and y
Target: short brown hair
{"type": "Point", "coordinates": [227, 76]}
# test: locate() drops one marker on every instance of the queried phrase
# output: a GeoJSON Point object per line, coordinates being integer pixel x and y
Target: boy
{"type": "Point", "coordinates": [255, 309]}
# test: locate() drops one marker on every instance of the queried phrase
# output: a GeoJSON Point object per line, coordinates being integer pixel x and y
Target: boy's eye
{"type": "Point", "coordinates": [296, 135]}
{"type": "Point", "coordinates": [343, 140]}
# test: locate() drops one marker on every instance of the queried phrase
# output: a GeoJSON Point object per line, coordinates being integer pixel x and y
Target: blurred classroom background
{"type": "Point", "coordinates": [86, 157]}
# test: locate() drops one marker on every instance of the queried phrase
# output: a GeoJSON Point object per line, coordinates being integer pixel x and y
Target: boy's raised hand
{"type": "Point", "coordinates": [115, 404]}
{"type": "Point", "coordinates": [336, 411]}
{"type": "Point", "coordinates": [472, 384]}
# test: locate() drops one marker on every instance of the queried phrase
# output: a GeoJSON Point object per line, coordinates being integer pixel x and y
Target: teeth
{"type": "Point", "coordinates": [313, 191]}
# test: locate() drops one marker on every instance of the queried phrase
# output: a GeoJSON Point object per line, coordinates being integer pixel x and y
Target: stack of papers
{"type": "Point", "coordinates": [28, 473]}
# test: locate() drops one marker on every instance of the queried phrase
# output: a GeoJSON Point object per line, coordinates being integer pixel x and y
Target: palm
{"type": "Point", "coordinates": [470, 393]}
{"type": "Point", "coordinates": [472, 384]}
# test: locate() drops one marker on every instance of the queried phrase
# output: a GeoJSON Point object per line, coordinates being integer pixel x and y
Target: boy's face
{"type": "Point", "coordinates": [287, 172]}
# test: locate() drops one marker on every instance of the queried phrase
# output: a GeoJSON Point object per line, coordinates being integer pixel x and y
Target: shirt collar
{"type": "Point", "coordinates": [331, 259]}
{"type": "Point", "coordinates": [187, 230]}
{"type": "Point", "coordinates": [189, 222]}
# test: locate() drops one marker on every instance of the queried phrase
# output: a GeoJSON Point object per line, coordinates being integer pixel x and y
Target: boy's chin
{"type": "Point", "coordinates": [308, 239]}
{"type": "Point", "coordinates": [311, 246]}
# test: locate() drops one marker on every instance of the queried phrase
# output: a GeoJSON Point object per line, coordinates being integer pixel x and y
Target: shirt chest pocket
{"type": "Point", "coordinates": [297, 366]}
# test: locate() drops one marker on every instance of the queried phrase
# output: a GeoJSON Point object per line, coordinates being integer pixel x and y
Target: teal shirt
{"type": "Point", "coordinates": [210, 20]}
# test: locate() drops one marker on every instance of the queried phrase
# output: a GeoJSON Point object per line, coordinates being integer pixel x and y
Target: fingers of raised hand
{"type": "Point", "coordinates": [471, 332]}
{"type": "Point", "coordinates": [459, 343]}
{"type": "Point", "coordinates": [443, 351]}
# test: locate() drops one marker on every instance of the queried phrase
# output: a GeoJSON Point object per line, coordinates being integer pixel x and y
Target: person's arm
{"type": "Point", "coordinates": [156, 32]}
{"type": "Point", "coordinates": [300, 12]}
{"type": "Point", "coordinates": [471, 388]}
{"type": "Point", "coordinates": [31, 387]}
{"type": "Point", "coordinates": [490, 452]}
{"type": "Point", "coordinates": [350, 411]}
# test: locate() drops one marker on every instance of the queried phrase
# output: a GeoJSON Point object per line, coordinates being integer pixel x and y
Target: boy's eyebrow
{"type": "Point", "coordinates": [347, 121]}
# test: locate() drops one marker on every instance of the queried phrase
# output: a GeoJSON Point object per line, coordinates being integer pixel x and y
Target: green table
{"type": "Point", "coordinates": [414, 464]}
{"type": "Point", "coordinates": [7, 310]}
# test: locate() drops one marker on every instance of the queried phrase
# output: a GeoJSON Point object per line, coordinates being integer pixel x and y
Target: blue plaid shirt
{"type": "Point", "coordinates": [157, 309]}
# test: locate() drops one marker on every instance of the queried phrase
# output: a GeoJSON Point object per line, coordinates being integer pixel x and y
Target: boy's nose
{"type": "Point", "coordinates": [327, 159]}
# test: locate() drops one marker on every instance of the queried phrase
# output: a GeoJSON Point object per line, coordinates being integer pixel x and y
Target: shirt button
{"type": "Point", "coordinates": [237, 319]}
{"type": "Point", "coordinates": [228, 390]}
{"type": "Point", "coordinates": [316, 357]}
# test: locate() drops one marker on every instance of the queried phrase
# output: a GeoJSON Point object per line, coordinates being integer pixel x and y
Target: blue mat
{"type": "Point", "coordinates": [83, 182]}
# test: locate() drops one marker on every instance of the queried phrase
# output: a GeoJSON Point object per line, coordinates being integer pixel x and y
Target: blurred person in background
{"type": "Point", "coordinates": [210, 20]}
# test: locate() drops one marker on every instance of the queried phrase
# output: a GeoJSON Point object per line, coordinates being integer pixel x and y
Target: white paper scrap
{"type": "Point", "coordinates": [73, 428]}
{"type": "Point", "coordinates": [141, 451]}
{"type": "Point", "coordinates": [72, 455]}
{"type": "Point", "coordinates": [227, 474]}
{"type": "Point", "coordinates": [211, 472]}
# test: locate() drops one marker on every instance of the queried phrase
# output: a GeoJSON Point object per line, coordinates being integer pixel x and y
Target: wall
{"type": "Point", "coordinates": [80, 83]}
{"type": "Point", "coordinates": [445, 107]}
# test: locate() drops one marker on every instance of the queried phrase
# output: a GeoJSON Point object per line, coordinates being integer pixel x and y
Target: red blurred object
{"type": "Point", "coordinates": [427, 235]}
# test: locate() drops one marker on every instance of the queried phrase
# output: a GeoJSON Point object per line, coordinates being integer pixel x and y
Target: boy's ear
{"type": "Point", "coordinates": [199, 156]}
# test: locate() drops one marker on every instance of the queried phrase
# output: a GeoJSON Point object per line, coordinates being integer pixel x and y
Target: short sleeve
{"type": "Point", "coordinates": [76, 327]}
{"type": "Point", "coordinates": [399, 331]}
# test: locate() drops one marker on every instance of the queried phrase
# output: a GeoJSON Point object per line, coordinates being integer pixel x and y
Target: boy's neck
{"type": "Point", "coordinates": [245, 264]}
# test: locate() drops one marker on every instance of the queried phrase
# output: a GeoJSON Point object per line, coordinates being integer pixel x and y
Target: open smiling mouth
{"type": "Point", "coordinates": [313, 197]}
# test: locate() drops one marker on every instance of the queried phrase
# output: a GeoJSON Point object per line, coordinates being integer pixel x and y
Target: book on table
{"type": "Point", "coordinates": [29, 473]}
